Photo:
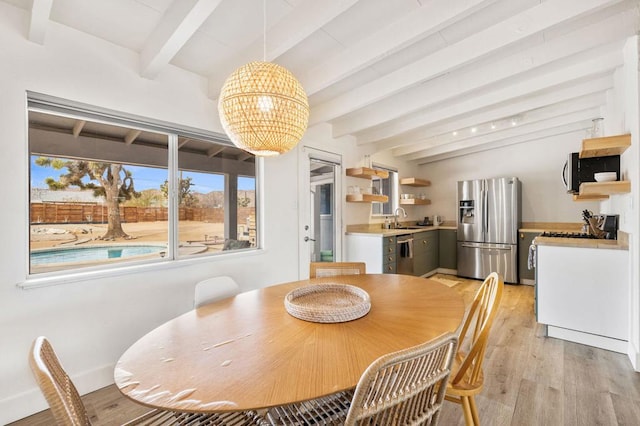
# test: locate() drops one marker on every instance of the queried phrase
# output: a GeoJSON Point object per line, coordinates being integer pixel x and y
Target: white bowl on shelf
{"type": "Point", "coordinates": [605, 176]}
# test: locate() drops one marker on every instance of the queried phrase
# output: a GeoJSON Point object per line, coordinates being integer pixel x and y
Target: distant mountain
{"type": "Point", "coordinates": [148, 197]}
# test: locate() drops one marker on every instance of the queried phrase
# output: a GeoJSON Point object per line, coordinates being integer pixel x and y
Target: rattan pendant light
{"type": "Point", "coordinates": [263, 108]}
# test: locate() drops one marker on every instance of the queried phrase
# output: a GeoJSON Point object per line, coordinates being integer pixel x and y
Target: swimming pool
{"type": "Point", "coordinates": [92, 253]}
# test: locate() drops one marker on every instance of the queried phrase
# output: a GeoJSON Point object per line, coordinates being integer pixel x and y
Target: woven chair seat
{"type": "Point", "coordinates": [329, 410]}
{"type": "Point", "coordinates": [402, 388]}
{"type": "Point", "coordinates": [69, 410]}
{"type": "Point", "coordinates": [169, 418]}
{"type": "Point", "coordinates": [332, 269]}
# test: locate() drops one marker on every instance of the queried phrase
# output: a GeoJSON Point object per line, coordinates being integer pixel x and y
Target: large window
{"type": "Point", "coordinates": [106, 191]}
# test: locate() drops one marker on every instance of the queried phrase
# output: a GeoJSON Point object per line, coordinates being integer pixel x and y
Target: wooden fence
{"type": "Point", "coordinates": [61, 212]}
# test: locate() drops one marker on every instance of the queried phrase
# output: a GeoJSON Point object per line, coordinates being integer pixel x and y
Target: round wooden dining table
{"type": "Point", "coordinates": [247, 352]}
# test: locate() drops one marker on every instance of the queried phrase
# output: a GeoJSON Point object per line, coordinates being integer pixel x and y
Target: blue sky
{"type": "Point", "coordinates": [148, 178]}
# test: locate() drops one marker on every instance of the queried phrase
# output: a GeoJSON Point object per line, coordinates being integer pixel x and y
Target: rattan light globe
{"type": "Point", "coordinates": [263, 109]}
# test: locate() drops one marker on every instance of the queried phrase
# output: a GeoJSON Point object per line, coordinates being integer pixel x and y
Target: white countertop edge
{"type": "Point", "coordinates": [580, 243]}
{"type": "Point", "coordinates": [394, 232]}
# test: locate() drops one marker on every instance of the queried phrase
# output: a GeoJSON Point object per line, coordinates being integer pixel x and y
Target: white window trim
{"type": "Point", "coordinates": [50, 104]}
{"type": "Point", "coordinates": [393, 198]}
{"type": "Point", "coordinates": [37, 281]}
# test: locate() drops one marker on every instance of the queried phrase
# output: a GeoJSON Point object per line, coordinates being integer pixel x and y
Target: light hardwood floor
{"type": "Point", "coordinates": [529, 379]}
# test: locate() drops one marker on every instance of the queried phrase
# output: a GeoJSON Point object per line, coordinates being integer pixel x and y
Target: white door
{"type": "Point", "coordinates": [320, 210]}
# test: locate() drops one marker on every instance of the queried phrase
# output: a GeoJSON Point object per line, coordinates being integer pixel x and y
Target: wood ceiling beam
{"type": "Point", "coordinates": [212, 152]}
{"type": "Point", "coordinates": [591, 67]}
{"type": "Point", "coordinates": [77, 127]}
{"type": "Point", "coordinates": [525, 123]}
{"type": "Point", "coordinates": [476, 76]}
{"type": "Point", "coordinates": [181, 20]}
{"type": "Point", "coordinates": [516, 28]}
{"type": "Point", "coordinates": [131, 136]}
{"type": "Point", "coordinates": [39, 20]}
{"type": "Point", "coordinates": [424, 22]}
{"type": "Point", "coordinates": [243, 156]}
{"type": "Point", "coordinates": [587, 92]}
{"type": "Point", "coordinates": [579, 127]}
{"type": "Point", "coordinates": [183, 142]}
{"type": "Point", "coordinates": [306, 18]}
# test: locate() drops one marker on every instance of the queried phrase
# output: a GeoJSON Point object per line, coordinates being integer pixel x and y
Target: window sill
{"type": "Point", "coordinates": [33, 282]}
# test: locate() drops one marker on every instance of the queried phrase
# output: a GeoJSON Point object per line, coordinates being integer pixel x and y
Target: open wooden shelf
{"type": "Point", "coordinates": [366, 198]}
{"type": "Point", "coordinates": [415, 201]}
{"type": "Point", "coordinates": [604, 147]}
{"type": "Point", "coordinates": [367, 173]}
{"type": "Point", "coordinates": [595, 197]}
{"type": "Point", "coordinates": [605, 188]}
{"type": "Point", "coordinates": [414, 182]}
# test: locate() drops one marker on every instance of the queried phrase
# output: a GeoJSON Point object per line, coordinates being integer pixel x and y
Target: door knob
{"type": "Point", "coordinates": [308, 239]}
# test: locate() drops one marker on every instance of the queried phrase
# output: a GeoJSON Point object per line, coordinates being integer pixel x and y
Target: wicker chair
{"type": "Point", "coordinates": [403, 388]}
{"type": "Point", "coordinates": [467, 378]}
{"type": "Point", "coordinates": [329, 269]}
{"type": "Point", "coordinates": [68, 410]}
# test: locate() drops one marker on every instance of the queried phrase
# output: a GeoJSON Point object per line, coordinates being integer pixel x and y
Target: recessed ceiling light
{"type": "Point", "coordinates": [455, 133]}
{"type": "Point", "coordinates": [493, 126]}
{"type": "Point", "coordinates": [474, 129]}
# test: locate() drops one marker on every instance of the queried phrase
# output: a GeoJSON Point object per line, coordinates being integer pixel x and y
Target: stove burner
{"type": "Point", "coordinates": [567, 235]}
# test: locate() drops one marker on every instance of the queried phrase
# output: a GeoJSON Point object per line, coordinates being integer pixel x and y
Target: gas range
{"type": "Point", "coordinates": [568, 235]}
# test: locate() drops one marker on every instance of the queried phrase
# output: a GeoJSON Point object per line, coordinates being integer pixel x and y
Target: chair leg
{"type": "Point", "coordinates": [466, 408]}
{"type": "Point", "coordinates": [474, 411]}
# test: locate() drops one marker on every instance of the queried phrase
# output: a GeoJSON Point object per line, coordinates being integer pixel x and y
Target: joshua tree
{"type": "Point", "coordinates": [244, 201]}
{"type": "Point", "coordinates": [114, 183]}
{"type": "Point", "coordinates": [187, 197]}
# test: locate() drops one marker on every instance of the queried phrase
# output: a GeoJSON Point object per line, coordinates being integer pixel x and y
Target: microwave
{"type": "Point", "coordinates": [578, 170]}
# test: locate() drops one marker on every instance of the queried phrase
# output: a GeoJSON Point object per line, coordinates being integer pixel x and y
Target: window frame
{"type": "Point", "coordinates": [37, 102]}
{"type": "Point", "coordinates": [394, 185]}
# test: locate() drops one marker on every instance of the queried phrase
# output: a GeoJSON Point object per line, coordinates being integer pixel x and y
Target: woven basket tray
{"type": "Point", "coordinates": [328, 303]}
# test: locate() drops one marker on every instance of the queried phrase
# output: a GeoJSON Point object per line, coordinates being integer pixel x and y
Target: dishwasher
{"type": "Point", "coordinates": [404, 254]}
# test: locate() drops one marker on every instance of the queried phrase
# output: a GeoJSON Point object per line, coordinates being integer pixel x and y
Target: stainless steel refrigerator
{"type": "Point", "coordinates": [488, 222]}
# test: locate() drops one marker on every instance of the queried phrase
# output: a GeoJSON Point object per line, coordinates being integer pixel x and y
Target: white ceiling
{"type": "Point", "coordinates": [427, 79]}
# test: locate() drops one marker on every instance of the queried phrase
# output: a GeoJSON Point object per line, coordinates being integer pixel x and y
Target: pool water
{"type": "Point", "coordinates": [83, 254]}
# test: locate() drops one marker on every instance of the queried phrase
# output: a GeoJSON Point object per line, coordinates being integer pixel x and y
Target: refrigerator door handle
{"type": "Point", "coordinates": [485, 207]}
{"type": "Point", "coordinates": [470, 246]}
{"type": "Point", "coordinates": [480, 246]}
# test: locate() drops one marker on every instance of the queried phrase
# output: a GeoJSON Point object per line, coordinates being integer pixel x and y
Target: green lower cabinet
{"type": "Point", "coordinates": [447, 248]}
{"type": "Point", "coordinates": [433, 253]}
{"type": "Point", "coordinates": [389, 255]}
{"type": "Point", "coordinates": [419, 253]}
{"type": "Point", "coordinates": [425, 252]}
{"type": "Point", "coordinates": [524, 241]}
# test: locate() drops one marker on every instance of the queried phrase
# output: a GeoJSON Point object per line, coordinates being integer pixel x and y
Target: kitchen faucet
{"type": "Point", "coordinates": [395, 215]}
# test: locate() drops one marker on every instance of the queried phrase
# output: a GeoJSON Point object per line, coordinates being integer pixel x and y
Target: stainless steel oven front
{"type": "Point", "coordinates": [404, 254]}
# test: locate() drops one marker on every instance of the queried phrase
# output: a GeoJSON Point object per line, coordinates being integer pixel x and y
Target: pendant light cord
{"type": "Point", "coordinates": [264, 30]}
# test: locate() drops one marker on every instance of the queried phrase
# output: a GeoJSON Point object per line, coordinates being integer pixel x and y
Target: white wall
{"type": "Point", "coordinates": [620, 116]}
{"type": "Point", "coordinates": [92, 322]}
{"type": "Point", "coordinates": [538, 165]}
{"type": "Point", "coordinates": [623, 116]}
